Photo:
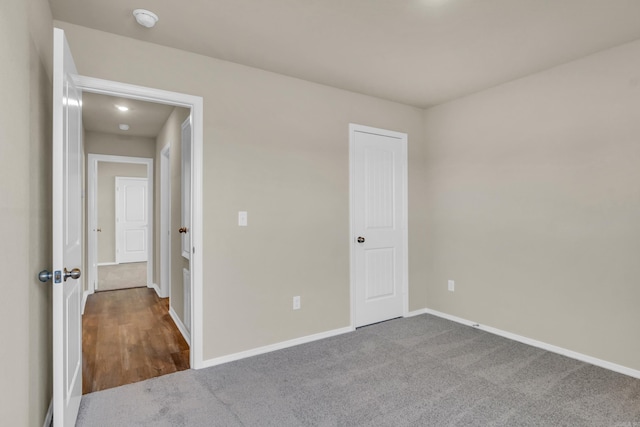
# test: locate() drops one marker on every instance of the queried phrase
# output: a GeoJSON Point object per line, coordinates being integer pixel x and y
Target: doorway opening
{"type": "Point", "coordinates": [120, 200]}
{"type": "Point", "coordinates": [141, 231]}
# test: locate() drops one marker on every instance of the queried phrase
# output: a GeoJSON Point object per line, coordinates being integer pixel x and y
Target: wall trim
{"type": "Point", "coordinates": [92, 212]}
{"type": "Point", "coordinates": [180, 325]}
{"type": "Point", "coordinates": [274, 347]}
{"type": "Point", "coordinates": [155, 288]}
{"type": "Point", "coordinates": [101, 264]}
{"type": "Point", "coordinates": [48, 418]}
{"type": "Point", "coordinates": [535, 343]}
{"type": "Point", "coordinates": [196, 104]}
{"type": "Point", "coordinates": [85, 295]}
{"type": "Point", "coordinates": [416, 312]}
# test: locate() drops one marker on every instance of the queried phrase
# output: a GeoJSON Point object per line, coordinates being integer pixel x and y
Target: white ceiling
{"type": "Point", "coordinates": [99, 114]}
{"type": "Point", "coordinates": [418, 52]}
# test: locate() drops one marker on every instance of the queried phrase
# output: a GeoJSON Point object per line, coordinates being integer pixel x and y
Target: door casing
{"type": "Point", "coordinates": [93, 161]}
{"type": "Point", "coordinates": [165, 221]}
{"type": "Point", "coordinates": [195, 104]}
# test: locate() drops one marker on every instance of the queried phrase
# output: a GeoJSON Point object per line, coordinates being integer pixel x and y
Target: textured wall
{"type": "Point", "coordinates": [278, 148]}
{"type": "Point", "coordinates": [25, 138]}
{"type": "Point", "coordinates": [106, 199]}
{"type": "Point", "coordinates": [533, 190]}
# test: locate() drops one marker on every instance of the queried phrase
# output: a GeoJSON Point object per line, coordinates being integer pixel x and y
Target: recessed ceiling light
{"type": "Point", "coordinates": [145, 18]}
{"type": "Point", "coordinates": [122, 108]}
{"type": "Point", "coordinates": [123, 126]}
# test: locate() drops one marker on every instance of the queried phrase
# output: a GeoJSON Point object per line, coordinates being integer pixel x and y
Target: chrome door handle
{"type": "Point", "coordinates": [360, 239]}
{"type": "Point", "coordinates": [45, 275]}
{"type": "Point", "coordinates": [74, 274]}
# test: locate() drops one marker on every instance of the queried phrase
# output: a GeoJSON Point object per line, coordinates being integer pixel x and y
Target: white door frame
{"type": "Point", "coordinates": [185, 169]}
{"type": "Point", "coordinates": [352, 226]}
{"type": "Point", "coordinates": [165, 222]}
{"type": "Point", "coordinates": [92, 215]}
{"type": "Point", "coordinates": [195, 103]}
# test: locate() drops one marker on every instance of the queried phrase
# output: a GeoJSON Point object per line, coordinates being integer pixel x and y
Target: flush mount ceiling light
{"type": "Point", "coordinates": [124, 127]}
{"type": "Point", "coordinates": [122, 108]}
{"type": "Point", "coordinates": [145, 18]}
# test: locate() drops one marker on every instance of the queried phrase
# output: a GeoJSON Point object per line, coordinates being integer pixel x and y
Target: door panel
{"type": "Point", "coordinates": [379, 217]}
{"type": "Point", "coordinates": [131, 219]}
{"type": "Point", "coordinates": [185, 145]}
{"type": "Point", "coordinates": [380, 200]}
{"type": "Point", "coordinates": [379, 269]}
{"type": "Point", "coordinates": [67, 235]}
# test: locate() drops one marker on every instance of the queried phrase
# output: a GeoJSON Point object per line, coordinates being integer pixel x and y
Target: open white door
{"type": "Point", "coordinates": [67, 236]}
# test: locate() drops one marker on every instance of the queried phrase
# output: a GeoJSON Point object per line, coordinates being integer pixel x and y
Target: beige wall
{"type": "Point", "coordinates": [533, 190]}
{"type": "Point", "coordinates": [171, 134]}
{"type": "Point", "coordinates": [15, 210]}
{"type": "Point", "coordinates": [119, 145]}
{"type": "Point", "coordinates": [523, 194]}
{"type": "Point", "coordinates": [276, 147]}
{"type": "Point", "coordinates": [25, 374]}
{"type": "Point", "coordinates": [40, 332]}
{"type": "Point", "coordinates": [106, 200]}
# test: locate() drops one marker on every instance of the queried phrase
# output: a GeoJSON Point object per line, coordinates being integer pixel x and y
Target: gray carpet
{"type": "Point", "coordinates": [419, 371]}
{"type": "Point", "coordinates": [122, 276]}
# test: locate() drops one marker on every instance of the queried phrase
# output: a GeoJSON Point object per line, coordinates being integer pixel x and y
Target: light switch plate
{"type": "Point", "coordinates": [243, 219]}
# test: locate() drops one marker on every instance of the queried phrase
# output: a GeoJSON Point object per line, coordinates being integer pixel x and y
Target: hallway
{"type": "Point", "coordinates": [128, 336]}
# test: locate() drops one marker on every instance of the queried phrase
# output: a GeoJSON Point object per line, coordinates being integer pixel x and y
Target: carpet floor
{"type": "Point", "coordinates": [418, 371]}
{"type": "Point", "coordinates": [122, 276]}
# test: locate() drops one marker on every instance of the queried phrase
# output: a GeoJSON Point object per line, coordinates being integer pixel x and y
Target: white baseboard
{"type": "Point", "coordinates": [85, 295]}
{"type": "Point", "coordinates": [180, 325]}
{"type": "Point", "coordinates": [155, 288]}
{"type": "Point", "coordinates": [48, 419]}
{"type": "Point", "coordinates": [273, 347]}
{"type": "Point", "coordinates": [535, 343]}
{"type": "Point", "coordinates": [416, 312]}
{"type": "Point", "coordinates": [101, 264]}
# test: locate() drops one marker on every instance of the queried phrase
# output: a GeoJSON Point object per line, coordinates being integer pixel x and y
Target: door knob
{"type": "Point", "coordinates": [45, 275]}
{"type": "Point", "coordinates": [360, 239]}
{"type": "Point", "coordinates": [74, 274]}
{"type": "Point", "coordinates": [183, 230]}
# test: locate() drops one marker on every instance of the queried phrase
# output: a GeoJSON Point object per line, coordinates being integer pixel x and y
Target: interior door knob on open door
{"type": "Point", "coordinates": [45, 275]}
{"type": "Point", "coordinates": [183, 230]}
{"type": "Point", "coordinates": [74, 274]}
{"type": "Point", "coordinates": [360, 239]}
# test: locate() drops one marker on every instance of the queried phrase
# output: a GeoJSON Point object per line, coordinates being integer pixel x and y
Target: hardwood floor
{"type": "Point", "coordinates": [128, 336]}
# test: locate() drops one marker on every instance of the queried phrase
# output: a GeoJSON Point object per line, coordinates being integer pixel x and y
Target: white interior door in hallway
{"type": "Point", "coordinates": [378, 224]}
{"type": "Point", "coordinates": [67, 235]}
{"type": "Point", "coordinates": [131, 219]}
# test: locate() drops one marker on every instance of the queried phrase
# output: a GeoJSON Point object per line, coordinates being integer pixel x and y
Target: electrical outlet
{"type": "Point", "coordinates": [296, 303]}
{"type": "Point", "coordinates": [452, 285]}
